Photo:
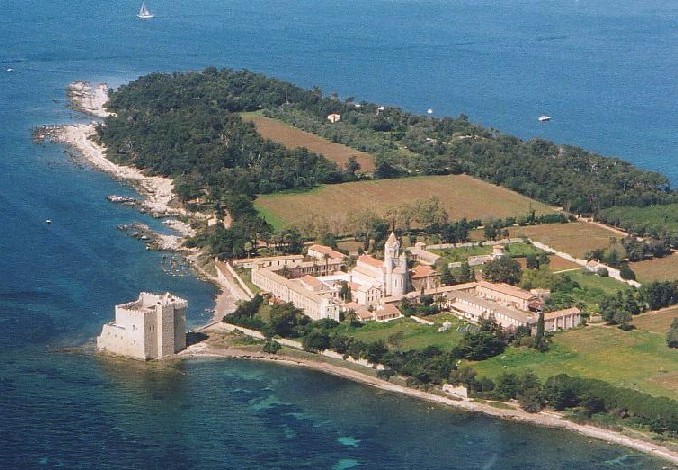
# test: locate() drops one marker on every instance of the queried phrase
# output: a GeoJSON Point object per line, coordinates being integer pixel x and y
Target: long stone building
{"type": "Point", "coordinates": [509, 306]}
{"type": "Point", "coordinates": [300, 292]}
{"type": "Point", "coordinates": [151, 327]}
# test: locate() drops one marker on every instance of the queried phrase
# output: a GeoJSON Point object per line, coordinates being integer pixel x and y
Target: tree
{"type": "Point", "coordinates": [345, 292]}
{"type": "Point", "coordinates": [531, 399]}
{"type": "Point", "coordinates": [487, 342]}
{"type": "Point", "coordinates": [375, 351]}
{"type": "Point", "coordinates": [560, 392]}
{"type": "Point", "coordinates": [491, 231]}
{"type": "Point", "coordinates": [271, 346]}
{"type": "Point", "coordinates": [316, 340]}
{"type": "Point", "coordinates": [539, 338]}
{"type": "Point", "coordinates": [286, 320]}
{"type": "Point", "coordinates": [446, 277]}
{"type": "Point", "coordinates": [507, 386]}
{"type": "Point", "coordinates": [352, 166]}
{"type": "Point", "coordinates": [672, 334]}
{"type": "Point", "coordinates": [503, 269]}
{"type": "Point", "coordinates": [328, 239]}
{"type": "Point", "coordinates": [622, 318]}
{"type": "Point", "coordinates": [626, 272]}
{"type": "Point", "coordinates": [532, 262]}
{"type": "Point", "coordinates": [465, 273]}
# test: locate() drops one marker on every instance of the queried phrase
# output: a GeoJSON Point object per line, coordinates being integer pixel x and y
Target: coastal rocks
{"type": "Point", "coordinates": [43, 134]}
{"type": "Point", "coordinates": [154, 240]}
{"type": "Point", "coordinates": [124, 200]}
{"type": "Point", "coordinates": [88, 98]}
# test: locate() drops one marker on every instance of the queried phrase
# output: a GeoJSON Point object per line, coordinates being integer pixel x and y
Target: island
{"type": "Point", "coordinates": [422, 251]}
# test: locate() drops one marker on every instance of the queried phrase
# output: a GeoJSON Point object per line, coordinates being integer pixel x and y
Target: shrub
{"type": "Point", "coordinates": [271, 346]}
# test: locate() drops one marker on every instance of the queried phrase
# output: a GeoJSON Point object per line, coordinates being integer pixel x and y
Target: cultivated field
{"type": "Point", "coordinates": [660, 269]}
{"type": "Point", "coordinates": [633, 359]}
{"type": "Point", "coordinates": [461, 195]}
{"type": "Point", "coordinates": [558, 264]}
{"type": "Point", "coordinates": [575, 238]}
{"type": "Point", "coordinates": [291, 137]}
{"type": "Point", "coordinates": [656, 322]}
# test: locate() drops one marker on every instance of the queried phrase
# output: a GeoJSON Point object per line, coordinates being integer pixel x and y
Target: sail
{"type": "Point", "coordinates": [144, 12]}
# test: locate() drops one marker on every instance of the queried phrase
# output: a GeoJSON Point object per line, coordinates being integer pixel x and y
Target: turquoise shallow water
{"type": "Point", "coordinates": [605, 70]}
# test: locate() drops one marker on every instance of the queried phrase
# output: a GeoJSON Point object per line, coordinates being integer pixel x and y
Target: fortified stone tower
{"type": "Point", "coordinates": [152, 327]}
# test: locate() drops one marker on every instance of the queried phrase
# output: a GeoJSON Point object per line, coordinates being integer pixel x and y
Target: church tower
{"type": "Point", "coordinates": [391, 261]}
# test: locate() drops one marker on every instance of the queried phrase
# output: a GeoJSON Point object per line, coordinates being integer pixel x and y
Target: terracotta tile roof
{"type": "Point", "coordinates": [326, 250]}
{"type": "Point", "coordinates": [422, 271]}
{"type": "Point", "coordinates": [311, 281]}
{"type": "Point", "coordinates": [560, 313]}
{"type": "Point", "coordinates": [371, 261]}
{"type": "Point", "coordinates": [364, 314]}
{"type": "Point", "coordinates": [387, 309]}
{"type": "Point", "coordinates": [508, 290]}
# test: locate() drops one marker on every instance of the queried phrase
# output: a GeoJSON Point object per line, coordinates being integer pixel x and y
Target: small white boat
{"type": "Point", "coordinates": [544, 118]}
{"type": "Point", "coordinates": [145, 13]}
{"type": "Point", "coordinates": [10, 69]}
{"type": "Point", "coordinates": [48, 221]}
{"type": "Point", "coordinates": [429, 111]}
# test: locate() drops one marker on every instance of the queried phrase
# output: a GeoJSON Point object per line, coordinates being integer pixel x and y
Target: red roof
{"type": "Point", "coordinates": [326, 250]}
{"type": "Point", "coordinates": [422, 271]}
{"type": "Point", "coordinates": [372, 261]}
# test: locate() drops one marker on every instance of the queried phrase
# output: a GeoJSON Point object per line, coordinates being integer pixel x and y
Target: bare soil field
{"type": "Point", "coordinates": [556, 263]}
{"type": "Point", "coordinates": [291, 137]}
{"type": "Point", "coordinates": [656, 322]}
{"type": "Point", "coordinates": [574, 238]}
{"type": "Point", "coordinates": [659, 269]}
{"type": "Point", "coordinates": [461, 195]}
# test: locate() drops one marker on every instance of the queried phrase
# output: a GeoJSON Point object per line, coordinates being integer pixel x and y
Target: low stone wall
{"type": "Point", "coordinates": [229, 278]}
{"type": "Point", "coordinates": [237, 277]}
{"type": "Point", "coordinates": [421, 320]}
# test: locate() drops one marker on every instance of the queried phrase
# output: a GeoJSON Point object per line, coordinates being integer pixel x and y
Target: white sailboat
{"type": "Point", "coordinates": [144, 13]}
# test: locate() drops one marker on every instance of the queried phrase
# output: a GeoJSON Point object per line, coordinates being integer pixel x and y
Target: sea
{"type": "Point", "coordinates": [606, 71]}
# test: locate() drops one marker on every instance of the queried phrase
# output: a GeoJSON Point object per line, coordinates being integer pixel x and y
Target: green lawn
{"type": "Point", "coordinates": [521, 250]}
{"type": "Point", "coordinates": [409, 334]}
{"type": "Point", "coordinates": [462, 253]}
{"type": "Point", "coordinates": [633, 359]}
{"type": "Point", "coordinates": [515, 250]}
{"type": "Point", "coordinates": [592, 281]}
{"type": "Point", "coordinates": [592, 289]}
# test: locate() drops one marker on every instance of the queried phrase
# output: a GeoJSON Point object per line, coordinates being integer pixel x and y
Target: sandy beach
{"type": "Point", "coordinates": [159, 201]}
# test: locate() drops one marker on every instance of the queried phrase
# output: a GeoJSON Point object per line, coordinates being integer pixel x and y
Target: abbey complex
{"type": "Point", "coordinates": [324, 286]}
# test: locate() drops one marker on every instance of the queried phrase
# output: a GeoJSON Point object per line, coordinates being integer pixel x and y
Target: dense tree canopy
{"type": "Point", "coordinates": [502, 269]}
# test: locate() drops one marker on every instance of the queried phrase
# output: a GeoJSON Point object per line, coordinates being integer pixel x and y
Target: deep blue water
{"type": "Point", "coordinates": [605, 70]}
